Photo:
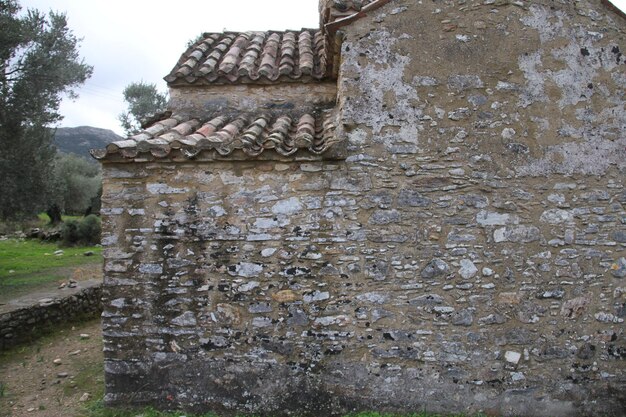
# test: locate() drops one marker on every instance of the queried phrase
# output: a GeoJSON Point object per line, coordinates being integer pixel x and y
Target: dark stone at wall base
{"type": "Point", "coordinates": [334, 389]}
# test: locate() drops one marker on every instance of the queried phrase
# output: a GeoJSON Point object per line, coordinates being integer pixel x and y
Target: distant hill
{"type": "Point", "coordinates": [79, 140]}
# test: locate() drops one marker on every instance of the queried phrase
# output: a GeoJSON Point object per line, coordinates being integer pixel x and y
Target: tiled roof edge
{"type": "Point", "coordinates": [243, 135]}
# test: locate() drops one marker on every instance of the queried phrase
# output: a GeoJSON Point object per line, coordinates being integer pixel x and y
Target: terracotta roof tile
{"type": "Point", "coordinates": [224, 58]}
{"type": "Point", "coordinates": [253, 134]}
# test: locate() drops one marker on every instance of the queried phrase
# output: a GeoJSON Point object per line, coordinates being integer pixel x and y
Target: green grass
{"type": "Point", "coordinates": [28, 264]}
{"type": "Point", "coordinates": [90, 378]}
{"type": "Point", "coordinates": [97, 409]}
{"type": "Point", "coordinates": [44, 219]}
{"type": "Point", "coordinates": [25, 257]}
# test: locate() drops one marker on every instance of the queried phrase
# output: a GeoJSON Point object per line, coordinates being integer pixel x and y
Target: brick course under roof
{"type": "Point", "coordinates": [253, 134]}
{"type": "Point", "coordinates": [227, 58]}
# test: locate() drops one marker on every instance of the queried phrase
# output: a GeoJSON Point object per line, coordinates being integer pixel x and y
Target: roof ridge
{"type": "Point", "coordinates": [238, 32]}
{"type": "Point", "coordinates": [252, 57]}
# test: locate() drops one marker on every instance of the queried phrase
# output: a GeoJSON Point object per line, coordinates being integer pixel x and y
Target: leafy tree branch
{"type": "Point", "coordinates": [143, 101]}
{"type": "Point", "coordinates": [39, 64]}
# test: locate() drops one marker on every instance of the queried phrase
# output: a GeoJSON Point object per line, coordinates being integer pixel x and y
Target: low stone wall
{"type": "Point", "coordinates": [26, 323]}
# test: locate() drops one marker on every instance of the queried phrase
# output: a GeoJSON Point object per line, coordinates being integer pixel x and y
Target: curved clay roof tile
{"type": "Point", "coordinates": [251, 57]}
{"type": "Point", "coordinates": [253, 134]}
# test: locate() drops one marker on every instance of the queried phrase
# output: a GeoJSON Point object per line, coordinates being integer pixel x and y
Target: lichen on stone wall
{"type": "Point", "coordinates": [586, 63]}
{"type": "Point", "coordinates": [383, 102]}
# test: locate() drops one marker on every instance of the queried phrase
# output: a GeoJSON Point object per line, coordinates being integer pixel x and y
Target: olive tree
{"type": "Point", "coordinates": [75, 184]}
{"type": "Point", "coordinates": [144, 101]}
{"type": "Point", "coordinates": [39, 64]}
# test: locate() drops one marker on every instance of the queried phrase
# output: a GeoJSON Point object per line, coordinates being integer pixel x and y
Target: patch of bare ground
{"type": "Point", "coordinates": [54, 376]}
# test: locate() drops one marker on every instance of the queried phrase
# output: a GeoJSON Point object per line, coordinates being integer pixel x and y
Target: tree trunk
{"type": "Point", "coordinates": [54, 212]}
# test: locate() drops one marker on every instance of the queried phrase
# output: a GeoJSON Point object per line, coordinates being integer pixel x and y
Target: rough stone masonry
{"type": "Point", "coordinates": [419, 207]}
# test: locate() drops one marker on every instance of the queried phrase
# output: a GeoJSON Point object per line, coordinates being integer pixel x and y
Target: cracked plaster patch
{"type": "Point", "coordinates": [589, 158]}
{"type": "Point", "coordinates": [379, 83]}
{"type": "Point", "coordinates": [583, 61]}
{"type": "Point", "coordinates": [548, 24]}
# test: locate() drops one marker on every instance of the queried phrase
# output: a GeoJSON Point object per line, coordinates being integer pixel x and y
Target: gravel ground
{"type": "Point", "coordinates": [55, 376]}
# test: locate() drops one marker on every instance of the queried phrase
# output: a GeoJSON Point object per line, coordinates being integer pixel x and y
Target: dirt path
{"type": "Point", "coordinates": [49, 377]}
{"type": "Point", "coordinates": [48, 281]}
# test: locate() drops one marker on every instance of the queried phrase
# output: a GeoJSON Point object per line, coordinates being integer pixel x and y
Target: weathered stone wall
{"type": "Point", "coordinates": [252, 98]}
{"type": "Point", "coordinates": [24, 324]}
{"type": "Point", "coordinates": [512, 91]}
{"type": "Point", "coordinates": [469, 254]}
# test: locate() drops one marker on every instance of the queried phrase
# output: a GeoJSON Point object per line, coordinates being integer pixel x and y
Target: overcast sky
{"type": "Point", "coordinates": [133, 40]}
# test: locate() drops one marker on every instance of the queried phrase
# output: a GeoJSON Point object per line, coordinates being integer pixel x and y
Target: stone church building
{"type": "Point", "coordinates": [420, 205]}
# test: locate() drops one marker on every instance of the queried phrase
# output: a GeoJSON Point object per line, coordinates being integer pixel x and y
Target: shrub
{"type": "Point", "coordinates": [69, 232]}
{"type": "Point", "coordinates": [86, 231]}
{"type": "Point", "coordinates": [89, 230]}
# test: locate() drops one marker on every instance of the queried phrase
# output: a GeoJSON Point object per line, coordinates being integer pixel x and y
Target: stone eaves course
{"type": "Point", "coordinates": [253, 134]}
